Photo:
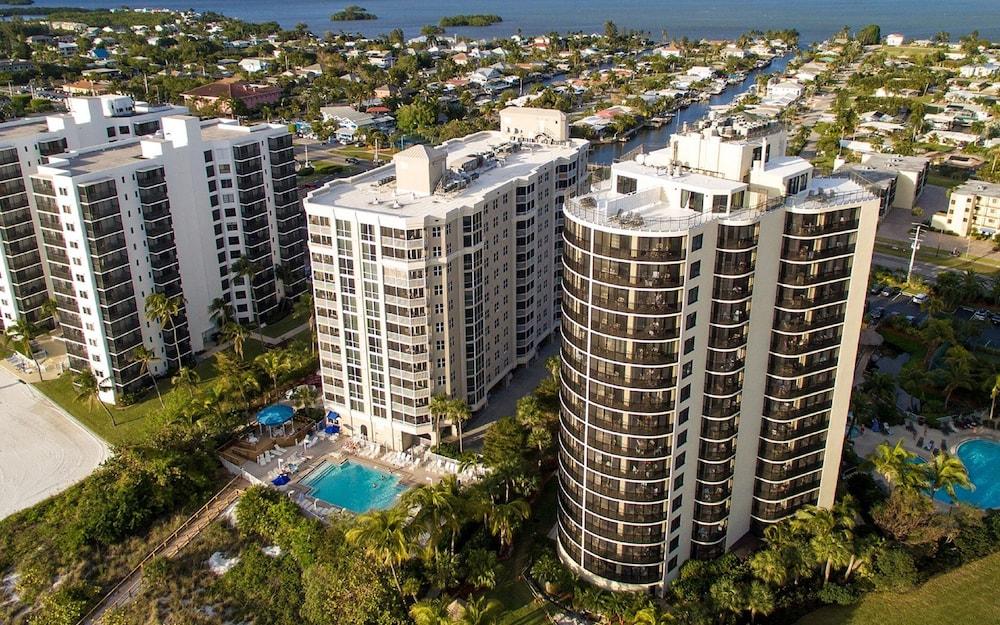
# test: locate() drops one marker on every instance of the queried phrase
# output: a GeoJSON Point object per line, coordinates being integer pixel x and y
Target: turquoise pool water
{"type": "Point", "coordinates": [353, 486]}
{"type": "Point", "coordinates": [982, 461]}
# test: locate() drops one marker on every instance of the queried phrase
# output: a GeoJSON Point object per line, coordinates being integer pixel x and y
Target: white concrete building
{"type": "Point", "coordinates": [439, 273]}
{"type": "Point", "coordinates": [894, 40]}
{"type": "Point", "coordinates": [973, 206]}
{"type": "Point", "coordinates": [24, 145]}
{"type": "Point", "coordinates": [170, 214]}
{"type": "Point", "coordinates": [911, 175]}
{"type": "Point", "coordinates": [710, 328]}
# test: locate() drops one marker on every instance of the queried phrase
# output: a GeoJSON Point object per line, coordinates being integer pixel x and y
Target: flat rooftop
{"type": "Point", "coordinates": [978, 187]}
{"type": "Point", "coordinates": [218, 130]}
{"type": "Point", "coordinates": [896, 162]}
{"type": "Point", "coordinates": [109, 156]}
{"type": "Point", "coordinates": [23, 128]}
{"type": "Point", "coordinates": [375, 191]}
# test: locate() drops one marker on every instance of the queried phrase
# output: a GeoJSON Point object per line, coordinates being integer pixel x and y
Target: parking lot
{"type": "Point", "coordinates": [987, 324]}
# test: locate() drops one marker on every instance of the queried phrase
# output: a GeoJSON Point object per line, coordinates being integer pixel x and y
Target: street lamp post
{"type": "Point", "coordinates": [913, 251]}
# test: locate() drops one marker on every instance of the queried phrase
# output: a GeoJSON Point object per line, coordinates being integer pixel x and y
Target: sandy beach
{"type": "Point", "coordinates": [42, 450]}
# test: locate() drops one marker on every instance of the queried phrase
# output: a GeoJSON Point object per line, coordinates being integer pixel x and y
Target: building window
{"type": "Point", "coordinates": [696, 242]}
{"type": "Point", "coordinates": [687, 369]}
{"type": "Point", "coordinates": [686, 392]}
{"type": "Point", "coordinates": [682, 417]}
{"type": "Point", "coordinates": [692, 295]}
{"type": "Point", "coordinates": [691, 320]}
{"type": "Point", "coordinates": [695, 269]}
{"type": "Point", "coordinates": [689, 345]}
{"type": "Point", "coordinates": [625, 185]}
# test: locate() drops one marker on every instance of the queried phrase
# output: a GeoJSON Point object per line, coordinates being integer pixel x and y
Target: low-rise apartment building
{"type": "Point", "coordinates": [439, 273]}
{"type": "Point", "coordinates": [973, 207]}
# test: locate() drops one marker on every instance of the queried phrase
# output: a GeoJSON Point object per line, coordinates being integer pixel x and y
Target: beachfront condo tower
{"type": "Point", "coordinates": [439, 273]}
{"type": "Point", "coordinates": [172, 214]}
{"type": "Point", "coordinates": [712, 301]}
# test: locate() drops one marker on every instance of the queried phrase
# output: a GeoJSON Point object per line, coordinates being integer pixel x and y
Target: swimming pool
{"type": "Point", "coordinates": [354, 486]}
{"type": "Point", "coordinates": [982, 461]}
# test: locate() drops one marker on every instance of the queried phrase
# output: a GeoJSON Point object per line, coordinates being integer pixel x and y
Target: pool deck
{"type": "Point", "coordinates": [866, 443]}
{"type": "Point", "coordinates": [426, 468]}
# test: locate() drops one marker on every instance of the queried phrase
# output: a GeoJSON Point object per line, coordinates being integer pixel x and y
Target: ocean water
{"type": "Point", "coordinates": [714, 19]}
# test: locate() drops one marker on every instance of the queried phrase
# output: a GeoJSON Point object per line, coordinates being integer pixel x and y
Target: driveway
{"type": "Point", "coordinates": [503, 402]}
{"type": "Point", "coordinates": [43, 451]}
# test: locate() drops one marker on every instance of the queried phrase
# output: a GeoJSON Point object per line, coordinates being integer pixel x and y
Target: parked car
{"type": "Point", "coordinates": [352, 160]}
{"type": "Point", "coordinates": [891, 291]}
{"type": "Point", "coordinates": [875, 290]}
{"type": "Point", "coordinates": [920, 298]}
{"type": "Point", "coordinates": [980, 315]}
{"type": "Point", "coordinates": [995, 319]}
{"type": "Point", "coordinates": [878, 313]}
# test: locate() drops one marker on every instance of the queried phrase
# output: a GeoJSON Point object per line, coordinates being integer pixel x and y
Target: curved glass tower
{"type": "Point", "coordinates": [707, 317]}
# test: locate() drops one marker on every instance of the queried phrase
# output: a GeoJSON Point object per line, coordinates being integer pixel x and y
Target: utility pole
{"type": "Point", "coordinates": [913, 250]}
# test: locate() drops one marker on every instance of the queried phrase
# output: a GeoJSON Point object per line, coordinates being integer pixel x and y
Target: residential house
{"type": "Point", "coordinates": [223, 93]}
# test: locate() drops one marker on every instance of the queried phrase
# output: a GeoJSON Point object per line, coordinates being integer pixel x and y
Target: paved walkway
{"type": "Point", "coordinates": [130, 586]}
{"type": "Point", "coordinates": [503, 402]}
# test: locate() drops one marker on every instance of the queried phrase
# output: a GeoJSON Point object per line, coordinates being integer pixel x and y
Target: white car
{"type": "Point", "coordinates": [920, 298]}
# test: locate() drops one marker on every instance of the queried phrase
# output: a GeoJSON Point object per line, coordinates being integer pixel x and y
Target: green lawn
{"type": "Point", "coordinates": [285, 324]}
{"type": "Point", "coordinates": [964, 596]}
{"type": "Point", "coordinates": [941, 180]}
{"type": "Point", "coordinates": [941, 258]}
{"type": "Point", "coordinates": [520, 605]}
{"type": "Point", "coordinates": [135, 422]}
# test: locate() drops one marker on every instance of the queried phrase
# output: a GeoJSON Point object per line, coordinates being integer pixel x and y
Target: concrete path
{"type": "Point", "coordinates": [503, 401]}
{"type": "Point", "coordinates": [43, 450]}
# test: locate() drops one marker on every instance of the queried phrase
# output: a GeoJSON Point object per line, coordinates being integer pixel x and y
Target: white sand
{"type": "Point", "coordinates": [42, 450]}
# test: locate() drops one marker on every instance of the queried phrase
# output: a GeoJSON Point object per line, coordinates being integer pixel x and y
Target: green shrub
{"type": "Point", "coordinates": [838, 595]}
{"type": "Point", "coordinates": [894, 570]}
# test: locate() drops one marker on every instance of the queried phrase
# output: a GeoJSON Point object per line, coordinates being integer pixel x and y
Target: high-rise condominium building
{"type": "Point", "coordinates": [24, 145]}
{"type": "Point", "coordinates": [712, 303]}
{"type": "Point", "coordinates": [169, 214]}
{"type": "Point", "coordinates": [439, 273]}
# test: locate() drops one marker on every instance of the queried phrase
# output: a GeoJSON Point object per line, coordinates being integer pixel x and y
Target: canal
{"type": "Point", "coordinates": [656, 138]}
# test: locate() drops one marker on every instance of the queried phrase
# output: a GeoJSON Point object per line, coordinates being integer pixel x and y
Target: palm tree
{"type": "Point", "coordinates": [88, 391]}
{"type": "Point", "coordinates": [728, 595]}
{"type": "Point", "coordinates": [934, 333]}
{"type": "Point", "coordinates": [382, 534]}
{"type": "Point", "coordinates": [238, 334]}
{"type": "Point", "coordinates": [273, 364]}
{"type": "Point", "coordinates": [759, 600]}
{"type": "Point", "coordinates": [480, 611]}
{"type": "Point", "coordinates": [303, 307]}
{"type": "Point", "coordinates": [221, 312]}
{"type": "Point", "coordinates": [430, 612]}
{"type": "Point", "coordinates": [769, 565]}
{"type": "Point", "coordinates": [994, 391]}
{"type": "Point", "coordinates": [186, 378]}
{"type": "Point", "coordinates": [50, 308]}
{"type": "Point", "coordinates": [233, 376]}
{"type": "Point", "coordinates": [459, 412]}
{"type": "Point", "coordinates": [958, 372]}
{"type": "Point", "coordinates": [947, 472]}
{"type": "Point", "coordinates": [896, 466]}
{"type": "Point", "coordinates": [246, 269]}
{"type": "Point", "coordinates": [304, 396]}
{"type": "Point", "coordinates": [438, 408]}
{"type": "Point", "coordinates": [145, 357]}
{"type": "Point", "coordinates": [504, 520]}
{"type": "Point", "coordinates": [552, 363]}
{"type": "Point", "coordinates": [652, 615]}
{"type": "Point", "coordinates": [164, 310]}
{"type": "Point", "coordinates": [21, 334]}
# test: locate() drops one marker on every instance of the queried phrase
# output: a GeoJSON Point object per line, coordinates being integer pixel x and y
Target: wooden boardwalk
{"type": "Point", "coordinates": [128, 587]}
